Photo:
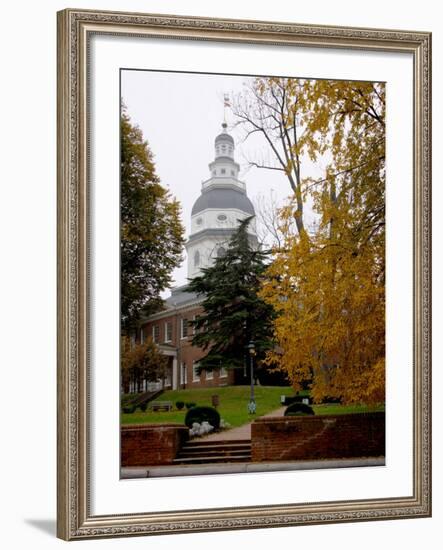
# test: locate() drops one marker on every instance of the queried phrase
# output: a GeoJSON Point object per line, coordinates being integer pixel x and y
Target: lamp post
{"type": "Point", "coordinates": [252, 407]}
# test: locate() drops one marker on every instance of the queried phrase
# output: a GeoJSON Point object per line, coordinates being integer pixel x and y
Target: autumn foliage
{"type": "Point", "coordinates": [326, 282]}
{"type": "Point", "coordinates": [141, 362]}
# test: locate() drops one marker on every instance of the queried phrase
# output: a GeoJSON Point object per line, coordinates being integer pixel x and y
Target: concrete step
{"type": "Point", "coordinates": [220, 452]}
{"type": "Point", "coordinates": [220, 443]}
{"type": "Point", "coordinates": [209, 447]}
{"type": "Point", "coordinates": [213, 459]}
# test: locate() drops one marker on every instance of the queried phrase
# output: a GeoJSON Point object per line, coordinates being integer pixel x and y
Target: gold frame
{"type": "Point", "coordinates": [75, 27]}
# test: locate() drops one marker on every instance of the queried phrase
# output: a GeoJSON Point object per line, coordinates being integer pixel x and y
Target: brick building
{"type": "Point", "coordinates": [216, 214]}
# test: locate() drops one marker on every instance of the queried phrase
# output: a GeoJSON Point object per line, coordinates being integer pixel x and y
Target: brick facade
{"type": "Point", "coordinates": [317, 437]}
{"type": "Point", "coordinates": [172, 332]}
{"type": "Point", "coordinates": [151, 445]}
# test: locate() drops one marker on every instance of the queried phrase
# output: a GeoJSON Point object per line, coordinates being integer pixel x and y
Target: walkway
{"type": "Point", "coordinates": [242, 432]}
{"type": "Point", "coordinates": [134, 472]}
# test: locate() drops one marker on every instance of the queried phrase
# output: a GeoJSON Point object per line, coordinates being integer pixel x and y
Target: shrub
{"type": "Point", "coordinates": [143, 407]}
{"type": "Point", "coordinates": [332, 400]}
{"type": "Point", "coordinates": [289, 400]}
{"type": "Point", "coordinates": [298, 409]}
{"type": "Point", "coordinates": [190, 405]}
{"type": "Point", "coordinates": [129, 409]}
{"type": "Point", "coordinates": [203, 414]}
{"type": "Point", "coordinates": [179, 405]}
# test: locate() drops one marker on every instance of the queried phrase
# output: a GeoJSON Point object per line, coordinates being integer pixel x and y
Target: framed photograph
{"type": "Point", "coordinates": [243, 274]}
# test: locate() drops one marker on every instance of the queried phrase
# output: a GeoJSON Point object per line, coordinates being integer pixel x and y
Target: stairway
{"type": "Point", "coordinates": [213, 452]}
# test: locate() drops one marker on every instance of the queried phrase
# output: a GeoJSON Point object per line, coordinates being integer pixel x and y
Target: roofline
{"type": "Point", "coordinates": [224, 158]}
{"type": "Point", "coordinates": [171, 311]}
{"type": "Point", "coordinates": [224, 210]}
{"type": "Point", "coordinates": [236, 185]}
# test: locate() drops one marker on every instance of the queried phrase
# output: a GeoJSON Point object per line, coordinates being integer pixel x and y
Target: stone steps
{"type": "Point", "coordinates": [222, 459]}
{"type": "Point", "coordinates": [221, 443]}
{"type": "Point", "coordinates": [200, 452]}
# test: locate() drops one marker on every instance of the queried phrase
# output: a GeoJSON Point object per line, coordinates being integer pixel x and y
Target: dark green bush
{"type": "Point", "coordinates": [202, 414]}
{"type": "Point", "coordinates": [129, 409]}
{"type": "Point", "coordinates": [333, 400]}
{"type": "Point", "coordinates": [143, 407]}
{"type": "Point", "coordinates": [190, 405]}
{"type": "Point", "coordinates": [298, 409]}
{"type": "Point", "coordinates": [289, 400]}
{"type": "Point", "coordinates": [179, 405]}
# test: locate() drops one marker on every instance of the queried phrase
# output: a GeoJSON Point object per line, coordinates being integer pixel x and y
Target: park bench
{"type": "Point", "coordinates": [160, 406]}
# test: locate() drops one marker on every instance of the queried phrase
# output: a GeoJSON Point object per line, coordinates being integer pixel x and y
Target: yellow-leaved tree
{"type": "Point", "coordinates": [327, 282]}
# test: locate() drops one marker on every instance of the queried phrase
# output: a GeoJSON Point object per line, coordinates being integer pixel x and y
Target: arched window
{"type": "Point", "coordinates": [197, 258]}
{"type": "Point", "coordinates": [221, 252]}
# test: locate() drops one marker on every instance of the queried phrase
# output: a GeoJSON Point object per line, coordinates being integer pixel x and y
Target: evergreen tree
{"type": "Point", "coordinates": [233, 314]}
{"type": "Point", "coordinates": [151, 229]}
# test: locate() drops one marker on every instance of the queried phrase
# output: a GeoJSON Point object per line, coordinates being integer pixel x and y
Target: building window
{"type": "Point", "coordinates": [199, 221]}
{"type": "Point", "coordinates": [142, 336]}
{"type": "Point", "coordinates": [222, 217]}
{"type": "Point", "coordinates": [195, 374]}
{"type": "Point", "coordinates": [168, 331]}
{"type": "Point", "coordinates": [184, 328]}
{"type": "Point", "coordinates": [232, 173]}
{"type": "Point", "coordinates": [223, 171]}
{"type": "Point", "coordinates": [209, 374]}
{"type": "Point", "coordinates": [183, 374]}
{"type": "Point", "coordinates": [221, 252]}
{"type": "Point", "coordinates": [156, 333]}
{"type": "Point", "coordinates": [223, 372]}
{"type": "Point", "coordinates": [197, 258]}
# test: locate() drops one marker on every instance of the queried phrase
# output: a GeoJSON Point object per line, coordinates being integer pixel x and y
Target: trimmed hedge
{"type": "Point", "coordinates": [298, 409]}
{"type": "Point", "coordinates": [289, 400]}
{"type": "Point", "coordinates": [202, 414]}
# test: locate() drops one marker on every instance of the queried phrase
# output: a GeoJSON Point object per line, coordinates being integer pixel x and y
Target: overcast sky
{"type": "Point", "coordinates": [180, 115]}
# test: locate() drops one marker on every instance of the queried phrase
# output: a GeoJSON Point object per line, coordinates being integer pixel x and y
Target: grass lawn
{"type": "Point", "coordinates": [333, 408]}
{"type": "Point", "coordinates": [233, 406]}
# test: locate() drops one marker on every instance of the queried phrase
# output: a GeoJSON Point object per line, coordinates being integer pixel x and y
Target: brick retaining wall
{"type": "Point", "coordinates": [317, 437]}
{"type": "Point", "coordinates": [151, 445]}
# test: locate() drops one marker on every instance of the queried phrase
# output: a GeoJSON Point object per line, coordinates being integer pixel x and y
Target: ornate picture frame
{"type": "Point", "coordinates": [75, 31]}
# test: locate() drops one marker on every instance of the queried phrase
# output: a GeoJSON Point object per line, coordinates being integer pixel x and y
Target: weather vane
{"type": "Point", "coordinates": [226, 104]}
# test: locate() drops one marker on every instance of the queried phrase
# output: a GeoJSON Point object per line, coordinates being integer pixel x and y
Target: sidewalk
{"type": "Point", "coordinates": [242, 432]}
{"type": "Point", "coordinates": [137, 472]}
